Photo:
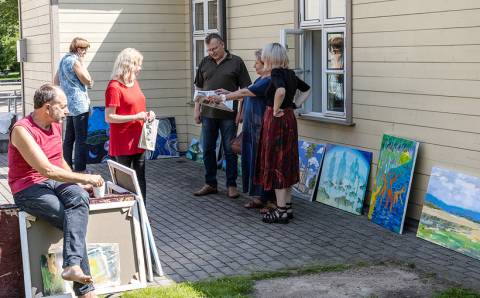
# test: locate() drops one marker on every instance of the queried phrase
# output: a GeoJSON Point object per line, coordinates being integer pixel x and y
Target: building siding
{"type": "Point", "coordinates": [157, 28]}
{"type": "Point", "coordinates": [36, 29]}
{"type": "Point", "coordinates": [416, 67]}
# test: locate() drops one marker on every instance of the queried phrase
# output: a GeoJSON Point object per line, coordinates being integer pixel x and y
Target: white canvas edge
{"type": "Point", "coordinates": [409, 186]}
{"type": "Point", "coordinates": [115, 165]}
{"type": "Point", "coordinates": [27, 279]}
{"type": "Point", "coordinates": [138, 246]}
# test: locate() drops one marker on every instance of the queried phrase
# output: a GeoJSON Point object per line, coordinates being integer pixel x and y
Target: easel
{"type": "Point", "coordinates": [124, 180]}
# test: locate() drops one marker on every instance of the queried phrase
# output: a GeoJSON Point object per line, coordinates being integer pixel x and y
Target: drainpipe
{"type": "Point", "coordinates": [223, 21]}
{"type": "Point", "coordinates": [20, 29]}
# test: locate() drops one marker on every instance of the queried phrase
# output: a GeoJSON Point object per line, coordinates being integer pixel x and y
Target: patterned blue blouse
{"type": "Point", "coordinates": [77, 95]}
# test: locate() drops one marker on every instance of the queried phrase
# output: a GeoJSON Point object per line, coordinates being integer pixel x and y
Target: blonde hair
{"type": "Point", "coordinates": [274, 55]}
{"type": "Point", "coordinates": [123, 68]}
{"type": "Point", "coordinates": [78, 42]}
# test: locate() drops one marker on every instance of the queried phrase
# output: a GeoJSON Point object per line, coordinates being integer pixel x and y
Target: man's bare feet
{"type": "Point", "coordinates": [75, 273]}
{"type": "Point", "coordinates": [89, 295]}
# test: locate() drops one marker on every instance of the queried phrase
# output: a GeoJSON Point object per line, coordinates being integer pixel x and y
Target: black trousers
{"type": "Point", "coordinates": [137, 163]}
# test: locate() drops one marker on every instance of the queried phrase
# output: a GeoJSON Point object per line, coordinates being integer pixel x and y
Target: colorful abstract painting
{"type": "Point", "coordinates": [166, 144]}
{"type": "Point", "coordinates": [393, 180]}
{"type": "Point", "coordinates": [104, 261]}
{"type": "Point", "coordinates": [451, 212]}
{"type": "Point", "coordinates": [310, 157]}
{"type": "Point", "coordinates": [344, 178]}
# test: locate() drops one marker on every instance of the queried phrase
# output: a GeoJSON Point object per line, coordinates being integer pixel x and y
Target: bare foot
{"type": "Point", "coordinates": [89, 295]}
{"type": "Point", "coordinates": [75, 273]}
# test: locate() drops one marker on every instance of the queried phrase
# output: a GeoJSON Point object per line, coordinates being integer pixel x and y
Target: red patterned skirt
{"type": "Point", "coordinates": [277, 159]}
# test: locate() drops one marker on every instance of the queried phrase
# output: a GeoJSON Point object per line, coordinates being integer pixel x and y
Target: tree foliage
{"type": "Point", "coordinates": [8, 34]}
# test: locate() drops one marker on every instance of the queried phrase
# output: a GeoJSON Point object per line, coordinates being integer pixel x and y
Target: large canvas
{"type": "Point", "coordinates": [451, 212]}
{"type": "Point", "coordinates": [344, 178]}
{"type": "Point", "coordinates": [310, 157]}
{"type": "Point", "coordinates": [392, 184]}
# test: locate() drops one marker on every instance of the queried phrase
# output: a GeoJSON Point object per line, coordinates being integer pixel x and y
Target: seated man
{"type": "Point", "coordinates": [43, 184]}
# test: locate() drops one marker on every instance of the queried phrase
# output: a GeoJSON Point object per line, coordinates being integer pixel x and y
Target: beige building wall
{"type": "Point", "coordinates": [36, 29]}
{"type": "Point", "coordinates": [416, 74]}
{"type": "Point", "coordinates": [250, 25]}
{"type": "Point", "coordinates": [159, 29]}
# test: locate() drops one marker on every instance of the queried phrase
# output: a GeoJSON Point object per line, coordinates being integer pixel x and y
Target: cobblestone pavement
{"type": "Point", "coordinates": [215, 236]}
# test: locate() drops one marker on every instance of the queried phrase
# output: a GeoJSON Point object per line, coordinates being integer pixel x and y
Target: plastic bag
{"type": "Point", "coordinates": [148, 138]}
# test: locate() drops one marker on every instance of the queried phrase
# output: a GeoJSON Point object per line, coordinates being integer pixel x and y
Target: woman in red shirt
{"type": "Point", "coordinates": [125, 110]}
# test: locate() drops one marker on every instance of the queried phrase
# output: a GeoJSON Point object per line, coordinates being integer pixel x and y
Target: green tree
{"type": "Point", "coordinates": [8, 34]}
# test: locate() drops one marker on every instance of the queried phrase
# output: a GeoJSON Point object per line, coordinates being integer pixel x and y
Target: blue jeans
{"type": "Point", "coordinates": [66, 206]}
{"type": "Point", "coordinates": [228, 131]}
{"type": "Point", "coordinates": [76, 135]}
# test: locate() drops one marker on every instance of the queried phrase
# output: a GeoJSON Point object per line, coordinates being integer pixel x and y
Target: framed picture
{"type": "Point", "coordinates": [39, 239]}
{"type": "Point", "coordinates": [125, 179]}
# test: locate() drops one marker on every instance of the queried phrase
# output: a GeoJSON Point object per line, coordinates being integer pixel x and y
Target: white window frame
{"type": "Point", "coordinates": [201, 34]}
{"type": "Point", "coordinates": [305, 57]}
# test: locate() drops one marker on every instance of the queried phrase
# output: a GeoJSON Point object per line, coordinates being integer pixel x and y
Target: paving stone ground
{"type": "Point", "coordinates": [214, 236]}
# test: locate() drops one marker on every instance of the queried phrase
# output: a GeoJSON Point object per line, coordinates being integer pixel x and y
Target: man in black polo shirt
{"type": "Point", "coordinates": [219, 70]}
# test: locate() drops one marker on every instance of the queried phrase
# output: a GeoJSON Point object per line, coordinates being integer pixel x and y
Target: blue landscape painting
{"type": "Point", "coordinates": [344, 178]}
{"type": "Point", "coordinates": [451, 212]}
{"type": "Point", "coordinates": [391, 188]}
{"type": "Point", "coordinates": [310, 157]}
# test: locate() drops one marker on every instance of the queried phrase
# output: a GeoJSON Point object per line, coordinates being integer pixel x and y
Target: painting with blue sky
{"type": "Point", "coordinates": [344, 178]}
{"type": "Point", "coordinates": [310, 157]}
{"type": "Point", "coordinates": [451, 212]}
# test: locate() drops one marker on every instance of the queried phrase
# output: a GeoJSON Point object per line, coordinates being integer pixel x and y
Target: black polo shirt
{"type": "Point", "coordinates": [231, 74]}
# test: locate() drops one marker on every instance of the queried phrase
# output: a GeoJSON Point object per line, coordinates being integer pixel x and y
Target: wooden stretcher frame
{"type": "Point", "coordinates": [132, 186]}
{"type": "Point", "coordinates": [142, 283]}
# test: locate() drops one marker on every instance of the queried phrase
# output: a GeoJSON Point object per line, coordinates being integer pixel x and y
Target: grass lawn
{"type": "Point", "coordinates": [243, 286]}
{"type": "Point", "coordinates": [10, 76]}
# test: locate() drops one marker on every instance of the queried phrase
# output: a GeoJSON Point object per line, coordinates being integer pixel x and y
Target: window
{"type": "Point", "coordinates": [204, 21]}
{"type": "Point", "coordinates": [321, 51]}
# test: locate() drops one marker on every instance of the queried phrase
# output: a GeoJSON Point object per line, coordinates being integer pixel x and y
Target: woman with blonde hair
{"type": "Point", "coordinates": [277, 161]}
{"type": "Point", "coordinates": [74, 78]}
{"type": "Point", "coordinates": [126, 112]}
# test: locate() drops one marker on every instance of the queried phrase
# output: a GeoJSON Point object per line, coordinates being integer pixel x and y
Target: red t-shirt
{"type": "Point", "coordinates": [124, 137]}
{"type": "Point", "coordinates": [20, 174]}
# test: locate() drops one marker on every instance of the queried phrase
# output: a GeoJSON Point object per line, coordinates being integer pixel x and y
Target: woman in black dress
{"type": "Point", "coordinates": [277, 164]}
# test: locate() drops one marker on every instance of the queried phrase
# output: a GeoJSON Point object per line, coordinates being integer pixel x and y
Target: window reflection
{"type": "Point", "coordinates": [335, 50]}
{"type": "Point", "coordinates": [335, 94]}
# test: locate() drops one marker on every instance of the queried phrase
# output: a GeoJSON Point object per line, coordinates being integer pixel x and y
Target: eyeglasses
{"type": "Point", "coordinates": [214, 49]}
{"type": "Point", "coordinates": [336, 51]}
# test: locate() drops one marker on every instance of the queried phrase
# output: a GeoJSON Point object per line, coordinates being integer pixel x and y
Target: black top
{"type": "Point", "coordinates": [231, 74]}
{"type": "Point", "coordinates": [287, 79]}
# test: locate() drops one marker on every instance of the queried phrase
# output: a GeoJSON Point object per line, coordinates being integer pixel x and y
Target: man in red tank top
{"type": "Point", "coordinates": [43, 184]}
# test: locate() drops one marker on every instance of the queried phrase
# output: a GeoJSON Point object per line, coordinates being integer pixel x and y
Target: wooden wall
{"type": "Point", "coordinates": [416, 74]}
{"type": "Point", "coordinates": [250, 25]}
{"type": "Point", "coordinates": [36, 28]}
{"type": "Point", "coordinates": [159, 29]}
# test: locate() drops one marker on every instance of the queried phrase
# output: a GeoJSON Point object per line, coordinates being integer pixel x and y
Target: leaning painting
{"type": "Point", "coordinates": [104, 261]}
{"type": "Point", "coordinates": [310, 157]}
{"type": "Point", "coordinates": [451, 212]}
{"type": "Point", "coordinates": [392, 184]}
{"type": "Point", "coordinates": [344, 178]}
